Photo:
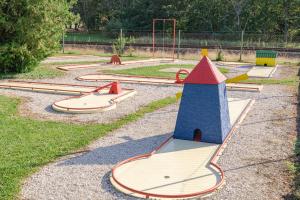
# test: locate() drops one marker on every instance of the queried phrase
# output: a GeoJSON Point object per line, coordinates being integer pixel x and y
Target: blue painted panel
{"type": "Point", "coordinates": [205, 107]}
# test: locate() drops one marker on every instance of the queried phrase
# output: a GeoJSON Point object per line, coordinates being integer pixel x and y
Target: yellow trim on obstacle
{"type": "Point", "coordinates": [270, 62]}
{"type": "Point", "coordinates": [204, 52]}
{"type": "Point", "coordinates": [178, 95]}
{"type": "Point", "coordinates": [237, 78]}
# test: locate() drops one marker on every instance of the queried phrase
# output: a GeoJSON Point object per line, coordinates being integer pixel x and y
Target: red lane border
{"type": "Point", "coordinates": [212, 162]}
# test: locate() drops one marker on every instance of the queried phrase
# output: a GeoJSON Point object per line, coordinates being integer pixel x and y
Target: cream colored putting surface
{"type": "Point", "coordinates": [93, 102]}
{"type": "Point", "coordinates": [261, 72]}
{"type": "Point", "coordinates": [48, 87]}
{"type": "Point", "coordinates": [162, 81]}
{"type": "Point", "coordinates": [179, 167]}
{"type": "Point", "coordinates": [76, 67]}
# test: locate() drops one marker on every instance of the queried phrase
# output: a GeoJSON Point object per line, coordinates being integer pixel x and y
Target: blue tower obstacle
{"type": "Point", "coordinates": [204, 105]}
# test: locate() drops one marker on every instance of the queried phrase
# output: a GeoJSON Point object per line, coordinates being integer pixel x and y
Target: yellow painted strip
{"type": "Point", "coordinates": [237, 78]}
{"type": "Point", "coordinates": [178, 95]}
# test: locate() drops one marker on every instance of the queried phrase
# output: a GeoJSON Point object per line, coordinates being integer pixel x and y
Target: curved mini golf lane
{"type": "Point", "coordinates": [87, 102]}
{"type": "Point", "coordinates": [93, 102]}
{"type": "Point", "coordinates": [178, 168]}
{"type": "Point", "coordinates": [160, 81]}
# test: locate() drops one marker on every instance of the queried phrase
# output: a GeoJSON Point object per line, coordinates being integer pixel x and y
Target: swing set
{"type": "Point", "coordinates": [173, 21]}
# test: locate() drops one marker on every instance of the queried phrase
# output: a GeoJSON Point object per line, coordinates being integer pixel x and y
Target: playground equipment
{"type": "Point", "coordinates": [173, 21]}
{"type": "Point", "coordinates": [184, 166]}
{"type": "Point", "coordinates": [266, 58]}
{"type": "Point", "coordinates": [90, 99]}
{"type": "Point", "coordinates": [115, 59]}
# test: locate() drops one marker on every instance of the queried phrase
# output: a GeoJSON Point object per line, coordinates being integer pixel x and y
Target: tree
{"type": "Point", "coordinates": [31, 30]}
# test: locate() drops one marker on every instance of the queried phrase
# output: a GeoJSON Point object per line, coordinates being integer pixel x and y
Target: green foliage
{"type": "Point", "coordinates": [31, 30]}
{"type": "Point", "coordinates": [120, 44]}
{"type": "Point", "coordinates": [29, 144]}
{"type": "Point", "coordinates": [193, 15]}
{"type": "Point", "coordinates": [220, 55]}
{"type": "Point", "coordinates": [39, 72]}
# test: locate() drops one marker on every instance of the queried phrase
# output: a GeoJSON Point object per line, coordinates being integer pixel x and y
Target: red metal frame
{"type": "Point", "coordinates": [153, 34]}
{"type": "Point", "coordinates": [213, 162]}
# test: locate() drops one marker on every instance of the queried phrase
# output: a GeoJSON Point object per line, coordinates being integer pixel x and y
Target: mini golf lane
{"type": "Point", "coordinates": [92, 66]}
{"type": "Point", "coordinates": [48, 87]}
{"type": "Point", "coordinates": [76, 67]}
{"type": "Point", "coordinates": [88, 101]}
{"type": "Point", "coordinates": [160, 81]}
{"type": "Point", "coordinates": [261, 72]}
{"type": "Point", "coordinates": [92, 102]}
{"type": "Point", "coordinates": [178, 169]}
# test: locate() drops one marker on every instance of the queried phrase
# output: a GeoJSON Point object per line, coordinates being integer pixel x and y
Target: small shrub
{"type": "Point", "coordinates": [120, 43]}
{"type": "Point", "coordinates": [16, 58]}
{"type": "Point", "coordinates": [220, 55]}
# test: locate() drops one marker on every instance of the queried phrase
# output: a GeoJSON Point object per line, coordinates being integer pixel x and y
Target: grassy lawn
{"type": "Point", "coordinates": [40, 72]}
{"type": "Point", "coordinates": [27, 144]}
{"type": "Point", "coordinates": [155, 70]}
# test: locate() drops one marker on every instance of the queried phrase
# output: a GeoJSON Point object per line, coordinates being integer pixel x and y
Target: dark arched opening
{"type": "Point", "coordinates": [197, 135]}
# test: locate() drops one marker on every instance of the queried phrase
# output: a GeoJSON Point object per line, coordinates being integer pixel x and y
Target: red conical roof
{"type": "Point", "coordinates": [205, 72]}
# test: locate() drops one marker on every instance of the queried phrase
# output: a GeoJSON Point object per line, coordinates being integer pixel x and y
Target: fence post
{"type": "Point", "coordinates": [179, 41]}
{"type": "Point", "coordinates": [63, 42]}
{"type": "Point", "coordinates": [242, 42]}
{"type": "Point", "coordinates": [121, 34]}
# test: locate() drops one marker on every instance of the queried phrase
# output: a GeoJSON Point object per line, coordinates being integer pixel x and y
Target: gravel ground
{"type": "Point", "coordinates": [254, 160]}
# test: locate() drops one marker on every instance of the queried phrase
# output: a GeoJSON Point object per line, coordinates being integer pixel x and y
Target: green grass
{"type": "Point", "coordinates": [27, 144]}
{"type": "Point", "coordinates": [293, 81]}
{"type": "Point", "coordinates": [155, 70]}
{"type": "Point", "coordinates": [95, 53]}
{"type": "Point", "coordinates": [294, 168]}
{"type": "Point", "coordinates": [40, 72]}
